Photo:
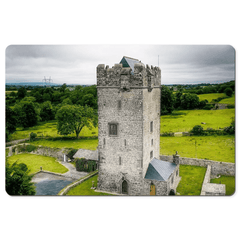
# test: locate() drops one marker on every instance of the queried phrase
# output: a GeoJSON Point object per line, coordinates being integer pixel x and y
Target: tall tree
{"type": "Point", "coordinates": [73, 118]}
{"type": "Point", "coordinates": [167, 100]}
{"type": "Point", "coordinates": [22, 92]}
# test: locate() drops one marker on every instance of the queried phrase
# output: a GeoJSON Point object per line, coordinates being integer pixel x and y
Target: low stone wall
{"type": "Point", "coordinates": [222, 168]}
{"type": "Point", "coordinates": [50, 152]}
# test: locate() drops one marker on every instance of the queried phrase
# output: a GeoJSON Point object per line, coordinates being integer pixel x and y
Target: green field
{"type": "Point", "coordinates": [218, 148]}
{"type": "Point", "coordinates": [49, 129]}
{"type": "Point", "coordinates": [229, 181]}
{"type": "Point", "coordinates": [34, 162]}
{"type": "Point", "coordinates": [84, 189]}
{"type": "Point", "coordinates": [191, 181]}
{"type": "Point", "coordinates": [211, 96]}
{"type": "Point", "coordinates": [230, 100]}
{"type": "Point", "coordinates": [85, 143]}
{"type": "Point", "coordinates": [185, 120]}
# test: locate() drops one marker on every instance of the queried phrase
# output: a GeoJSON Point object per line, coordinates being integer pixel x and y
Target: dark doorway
{"type": "Point", "coordinates": [124, 187]}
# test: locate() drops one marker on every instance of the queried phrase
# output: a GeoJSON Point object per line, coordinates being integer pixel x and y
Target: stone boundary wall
{"type": "Point", "coordinates": [50, 152]}
{"type": "Point", "coordinates": [65, 190]}
{"type": "Point", "coordinates": [218, 168]}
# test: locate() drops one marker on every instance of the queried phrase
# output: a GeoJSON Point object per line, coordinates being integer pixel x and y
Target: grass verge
{"type": "Point", "coordinates": [34, 162]}
{"type": "Point", "coordinates": [191, 181]}
{"type": "Point", "coordinates": [229, 181]}
{"type": "Point", "coordinates": [84, 189]}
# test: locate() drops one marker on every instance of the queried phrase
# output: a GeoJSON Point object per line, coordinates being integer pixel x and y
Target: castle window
{"type": "Point", "coordinates": [120, 161]}
{"type": "Point", "coordinates": [151, 154]}
{"type": "Point", "coordinates": [104, 141]}
{"type": "Point", "coordinates": [172, 180]}
{"type": "Point", "coordinates": [176, 172]}
{"type": "Point", "coordinates": [125, 142]}
{"type": "Point", "coordinates": [152, 142]}
{"type": "Point", "coordinates": [151, 126]}
{"type": "Point", "coordinates": [119, 105]}
{"type": "Point", "coordinates": [113, 129]}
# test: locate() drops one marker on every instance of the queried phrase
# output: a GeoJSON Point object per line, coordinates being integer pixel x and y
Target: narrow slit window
{"type": "Point", "coordinates": [104, 141]}
{"type": "Point", "coordinates": [120, 161]}
{"type": "Point", "coordinates": [151, 126]}
{"type": "Point", "coordinates": [119, 104]}
{"type": "Point", "coordinates": [152, 142]}
{"type": "Point", "coordinates": [125, 142]}
{"type": "Point", "coordinates": [151, 154]}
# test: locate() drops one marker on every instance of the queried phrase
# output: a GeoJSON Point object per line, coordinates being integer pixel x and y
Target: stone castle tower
{"type": "Point", "coordinates": [129, 127]}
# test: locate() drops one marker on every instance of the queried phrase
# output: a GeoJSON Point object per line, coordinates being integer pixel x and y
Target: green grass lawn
{"type": "Point", "coordinates": [191, 181]}
{"type": "Point", "coordinates": [185, 120]}
{"type": "Point", "coordinates": [211, 96]}
{"type": "Point", "coordinates": [34, 162]}
{"type": "Point", "coordinates": [85, 143]}
{"type": "Point", "coordinates": [229, 181]}
{"type": "Point", "coordinates": [49, 129]}
{"type": "Point", "coordinates": [219, 148]}
{"type": "Point", "coordinates": [230, 100]}
{"type": "Point", "coordinates": [84, 189]}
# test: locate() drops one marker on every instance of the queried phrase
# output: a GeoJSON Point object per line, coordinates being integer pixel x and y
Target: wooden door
{"type": "Point", "coordinates": [152, 190]}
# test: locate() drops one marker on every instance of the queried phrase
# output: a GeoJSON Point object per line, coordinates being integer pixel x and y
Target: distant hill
{"type": "Point", "coordinates": [32, 84]}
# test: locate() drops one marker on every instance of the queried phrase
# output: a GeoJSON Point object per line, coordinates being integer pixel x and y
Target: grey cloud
{"type": "Point", "coordinates": [77, 63]}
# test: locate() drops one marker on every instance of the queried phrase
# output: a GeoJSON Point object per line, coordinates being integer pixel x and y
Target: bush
{"type": "Point", "coordinates": [228, 91]}
{"type": "Point", "coordinates": [208, 107]}
{"type": "Point", "coordinates": [32, 136]}
{"type": "Point", "coordinates": [197, 130]}
{"type": "Point", "coordinates": [83, 165]}
{"type": "Point", "coordinates": [231, 106]}
{"type": "Point", "coordinates": [71, 153]}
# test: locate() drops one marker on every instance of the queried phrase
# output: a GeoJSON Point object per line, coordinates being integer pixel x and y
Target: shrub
{"type": "Point", "coordinates": [208, 107]}
{"type": "Point", "coordinates": [231, 106]}
{"type": "Point", "coordinates": [71, 153]}
{"type": "Point", "coordinates": [32, 136]}
{"type": "Point", "coordinates": [228, 91]}
{"type": "Point", "coordinates": [197, 130]}
{"type": "Point", "coordinates": [84, 165]}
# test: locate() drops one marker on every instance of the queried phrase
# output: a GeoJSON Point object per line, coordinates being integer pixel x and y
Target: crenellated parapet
{"type": "Point", "coordinates": [125, 78]}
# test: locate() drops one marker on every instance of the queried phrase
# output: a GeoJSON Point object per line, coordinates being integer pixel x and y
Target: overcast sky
{"type": "Point", "coordinates": [76, 64]}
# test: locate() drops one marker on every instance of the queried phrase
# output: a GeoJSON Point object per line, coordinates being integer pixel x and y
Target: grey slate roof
{"type": "Point", "coordinates": [88, 154]}
{"type": "Point", "coordinates": [129, 62]}
{"type": "Point", "coordinates": [159, 170]}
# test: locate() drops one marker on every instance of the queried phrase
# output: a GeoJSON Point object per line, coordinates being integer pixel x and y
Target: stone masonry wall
{"type": "Point", "coordinates": [126, 100]}
{"type": "Point", "coordinates": [222, 168]}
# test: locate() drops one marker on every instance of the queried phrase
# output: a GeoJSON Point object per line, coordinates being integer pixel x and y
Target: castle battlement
{"type": "Point", "coordinates": [125, 77]}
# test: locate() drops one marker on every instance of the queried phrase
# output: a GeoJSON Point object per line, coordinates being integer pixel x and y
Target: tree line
{"type": "Point", "coordinates": [72, 109]}
{"type": "Point", "coordinates": [187, 99]}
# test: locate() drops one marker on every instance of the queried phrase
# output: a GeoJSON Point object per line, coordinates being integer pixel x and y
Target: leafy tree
{"type": "Point", "coordinates": [18, 180]}
{"type": "Point", "coordinates": [10, 120]}
{"type": "Point", "coordinates": [63, 87]}
{"type": "Point", "coordinates": [46, 97]}
{"type": "Point", "coordinates": [177, 100]}
{"type": "Point", "coordinates": [47, 111]}
{"type": "Point", "coordinates": [72, 118]}
{"type": "Point", "coordinates": [228, 91]}
{"type": "Point", "coordinates": [27, 115]}
{"type": "Point", "coordinates": [167, 100]}
{"type": "Point", "coordinates": [22, 92]}
{"type": "Point", "coordinates": [56, 97]}
{"type": "Point", "coordinates": [189, 101]}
